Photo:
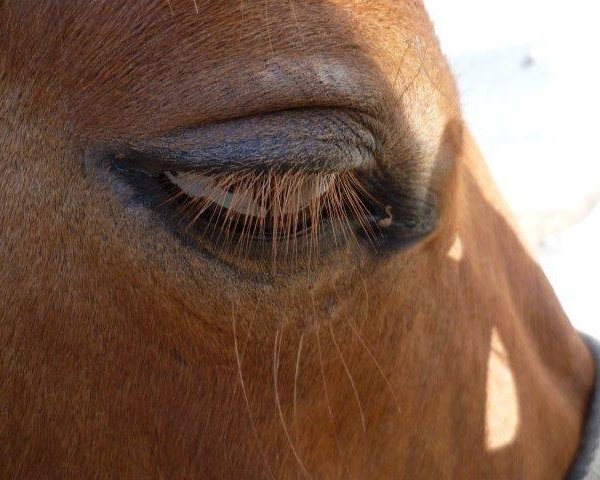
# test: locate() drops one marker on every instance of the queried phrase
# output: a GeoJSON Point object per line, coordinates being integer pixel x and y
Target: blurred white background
{"type": "Point", "coordinates": [529, 75]}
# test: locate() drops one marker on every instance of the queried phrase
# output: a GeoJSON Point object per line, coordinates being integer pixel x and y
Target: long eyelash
{"type": "Point", "coordinates": [279, 207]}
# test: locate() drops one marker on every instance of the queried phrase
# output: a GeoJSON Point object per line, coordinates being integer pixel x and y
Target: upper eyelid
{"type": "Point", "coordinates": [307, 139]}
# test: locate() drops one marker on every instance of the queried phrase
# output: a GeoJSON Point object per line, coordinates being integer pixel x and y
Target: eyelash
{"type": "Point", "coordinates": [288, 210]}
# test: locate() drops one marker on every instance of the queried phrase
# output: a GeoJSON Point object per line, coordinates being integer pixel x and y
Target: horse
{"type": "Point", "coordinates": [256, 239]}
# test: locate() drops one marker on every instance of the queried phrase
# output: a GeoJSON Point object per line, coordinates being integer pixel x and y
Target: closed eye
{"type": "Point", "coordinates": [287, 185]}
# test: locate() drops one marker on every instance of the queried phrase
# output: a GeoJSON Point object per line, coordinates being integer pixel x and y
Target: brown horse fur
{"type": "Point", "coordinates": [128, 353]}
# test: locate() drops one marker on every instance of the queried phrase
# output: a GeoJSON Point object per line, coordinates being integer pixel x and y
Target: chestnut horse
{"type": "Point", "coordinates": [254, 239]}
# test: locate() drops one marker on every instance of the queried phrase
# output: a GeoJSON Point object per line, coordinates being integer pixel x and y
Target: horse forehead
{"type": "Point", "coordinates": [200, 32]}
{"type": "Point", "coordinates": [138, 67]}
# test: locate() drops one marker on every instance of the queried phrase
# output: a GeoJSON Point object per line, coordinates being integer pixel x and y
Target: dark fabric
{"type": "Point", "coordinates": [587, 463]}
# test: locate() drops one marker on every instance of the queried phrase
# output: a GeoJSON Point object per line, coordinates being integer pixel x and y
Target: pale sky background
{"type": "Point", "coordinates": [529, 73]}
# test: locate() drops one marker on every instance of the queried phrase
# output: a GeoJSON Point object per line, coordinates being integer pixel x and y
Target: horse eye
{"type": "Point", "coordinates": [286, 184]}
{"type": "Point", "coordinates": [278, 215]}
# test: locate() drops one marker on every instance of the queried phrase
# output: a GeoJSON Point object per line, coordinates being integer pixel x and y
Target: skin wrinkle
{"type": "Point", "coordinates": [131, 351]}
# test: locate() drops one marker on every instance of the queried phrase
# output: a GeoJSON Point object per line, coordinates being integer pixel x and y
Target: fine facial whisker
{"type": "Point", "coordinates": [326, 391]}
{"type": "Point", "coordinates": [245, 395]}
{"type": "Point", "coordinates": [296, 375]}
{"type": "Point", "coordinates": [276, 355]}
{"type": "Point", "coordinates": [351, 379]}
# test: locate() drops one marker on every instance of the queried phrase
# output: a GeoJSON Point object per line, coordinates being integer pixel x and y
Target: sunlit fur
{"type": "Point", "coordinates": [129, 350]}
